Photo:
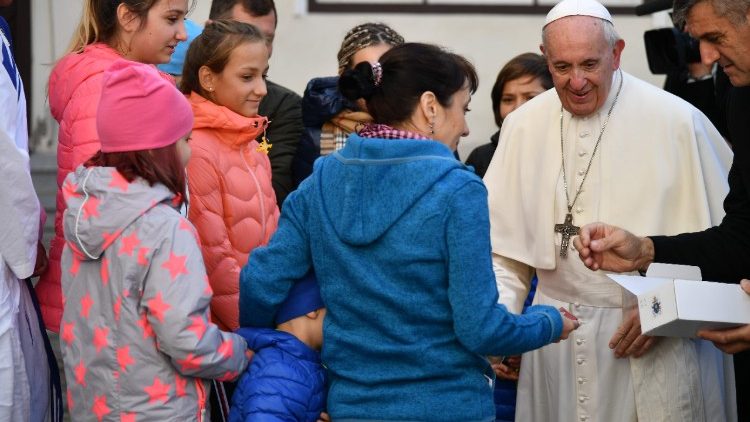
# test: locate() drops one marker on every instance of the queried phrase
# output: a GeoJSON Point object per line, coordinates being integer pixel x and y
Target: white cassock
{"type": "Point", "coordinates": [661, 168]}
{"type": "Point", "coordinates": [24, 373]}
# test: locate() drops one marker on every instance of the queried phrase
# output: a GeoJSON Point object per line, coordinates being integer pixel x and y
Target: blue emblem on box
{"type": "Point", "coordinates": [655, 306]}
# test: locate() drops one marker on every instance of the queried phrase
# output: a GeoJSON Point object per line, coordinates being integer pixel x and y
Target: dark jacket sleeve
{"type": "Point", "coordinates": [282, 107]}
{"type": "Point", "coordinates": [722, 252]}
{"type": "Point", "coordinates": [320, 102]}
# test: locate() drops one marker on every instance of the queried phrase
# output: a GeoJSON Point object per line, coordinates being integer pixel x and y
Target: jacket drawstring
{"type": "Point", "coordinates": [78, 215]}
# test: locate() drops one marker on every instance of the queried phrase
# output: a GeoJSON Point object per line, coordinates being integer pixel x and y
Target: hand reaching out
{"type": "Point", "coordinates": [604, 247]}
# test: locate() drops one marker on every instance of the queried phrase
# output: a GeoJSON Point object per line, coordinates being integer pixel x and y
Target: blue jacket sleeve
{"type": "Point", "coordinates": [273, 392]}
{"type": "Point", "coordinates": [271, 271]}
{"type": "Point", "coordinates": [482, 325]}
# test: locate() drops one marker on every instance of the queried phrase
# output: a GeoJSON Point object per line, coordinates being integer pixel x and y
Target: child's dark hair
{"type": "Point", "coordinates": [158, 165]}
{"type": "Point", "coordinates": [99, 20]}
{"type": "Point", "coordinates": [212, 48]}
{"type": "Point", "coordinates": [408, 71]}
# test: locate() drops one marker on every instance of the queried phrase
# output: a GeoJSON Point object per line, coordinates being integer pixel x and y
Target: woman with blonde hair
{"type": "Point", "coordinates": [145, 31]}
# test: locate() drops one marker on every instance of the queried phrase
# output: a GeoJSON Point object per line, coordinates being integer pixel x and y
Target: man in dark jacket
{"type": "Point", "coordinates": [281, 105]}
{"type": "Point", "coordinates": [721, 252]}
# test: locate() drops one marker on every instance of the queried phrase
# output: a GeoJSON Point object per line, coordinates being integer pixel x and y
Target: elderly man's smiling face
{"type": "Point", "coordinates": [581, 61]}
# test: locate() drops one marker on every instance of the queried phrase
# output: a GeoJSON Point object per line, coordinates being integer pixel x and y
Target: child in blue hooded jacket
{"type": "Point", "coordinates": [285, 380]}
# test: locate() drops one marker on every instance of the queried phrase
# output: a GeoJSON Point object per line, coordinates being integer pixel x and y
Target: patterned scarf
{"type": "Point", "coordinates": [334, 133]}
{"type": "Point", "coordinates": [375, 130]}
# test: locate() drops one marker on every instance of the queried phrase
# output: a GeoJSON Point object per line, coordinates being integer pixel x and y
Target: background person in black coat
{"type": "Point", "coordinates": [721, 252]}
{"type": "Point", "coordinates": [521, 79]}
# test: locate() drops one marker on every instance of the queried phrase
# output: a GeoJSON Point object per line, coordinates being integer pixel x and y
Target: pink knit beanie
{"type": "Point", "coordinates": [139, 109]}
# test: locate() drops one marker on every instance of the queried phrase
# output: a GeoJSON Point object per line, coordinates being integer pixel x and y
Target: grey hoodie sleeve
{"type": "Point", "coordinates": [176, 297]}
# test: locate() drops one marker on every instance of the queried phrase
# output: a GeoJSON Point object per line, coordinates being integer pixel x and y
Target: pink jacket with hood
{"type": "Point", "coordinates": [135, 335]}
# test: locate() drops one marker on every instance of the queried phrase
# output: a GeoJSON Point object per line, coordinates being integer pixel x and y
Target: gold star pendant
{"type": "Point", "coordinates": [264, 146]}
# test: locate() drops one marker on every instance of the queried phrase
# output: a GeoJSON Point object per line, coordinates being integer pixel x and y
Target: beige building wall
{"type": "Point", "coordinates": [306, 46]}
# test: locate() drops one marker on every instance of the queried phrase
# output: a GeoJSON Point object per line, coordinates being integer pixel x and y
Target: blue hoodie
{"type": "Point", "coordinates": [398, 234]}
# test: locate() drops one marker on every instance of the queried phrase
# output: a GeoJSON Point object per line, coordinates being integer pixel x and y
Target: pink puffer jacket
{"type": "Point", "coordinates": [74, 89]}
{"type": "Point", "coordinates": [232, 202]}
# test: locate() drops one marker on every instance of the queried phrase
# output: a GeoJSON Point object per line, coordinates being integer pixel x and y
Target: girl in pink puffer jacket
{"type": "Point", "coordinates": [145, 31]}
{"type": "Point", "coordinates": [232, 201]}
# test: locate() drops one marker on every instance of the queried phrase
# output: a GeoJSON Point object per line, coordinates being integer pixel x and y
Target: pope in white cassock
{"type": "Point", "coordinates": [603, 146]}
{"type": "Point", "coordinates": [24, 374]}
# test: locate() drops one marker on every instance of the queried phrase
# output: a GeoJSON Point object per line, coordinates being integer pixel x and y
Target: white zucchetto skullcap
{"type": "Point", "coordinates": [578, 8]}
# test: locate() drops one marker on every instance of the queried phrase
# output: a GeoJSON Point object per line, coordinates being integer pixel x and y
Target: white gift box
{"type": "Point", "coordinates": [674, 302]}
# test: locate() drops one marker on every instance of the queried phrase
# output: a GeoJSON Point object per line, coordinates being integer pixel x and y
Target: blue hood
{"type": "Point", "coordinates": [366, 191]}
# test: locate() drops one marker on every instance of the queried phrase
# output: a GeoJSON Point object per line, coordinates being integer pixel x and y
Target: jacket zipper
{"type": "Point", "coordinates": [260, 194]}
{"type": "Point", "coordinates": [200, 389]}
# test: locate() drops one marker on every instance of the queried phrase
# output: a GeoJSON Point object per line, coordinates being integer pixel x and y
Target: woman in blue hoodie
{"type": "Point", "coordinates": [397, 231]}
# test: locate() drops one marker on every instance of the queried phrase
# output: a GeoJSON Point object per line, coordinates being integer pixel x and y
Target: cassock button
{"type": "Point", "coordinates": [581, 153]}
{"type": "Point", "coordinates": [580, 380]}
{"type": "Point", "coordinates": [579, 341]}
{"type": "Point", "coordinates": [581, 399]}
{"type": "Point", "coordinates": [581, 172]}
{"type": "Point", "coordinates": [579, 361]}
{"type": "Point", "coordinates": [583, 418]}
{"type": "Point", "coordinates": [577, 305]}
{"type": "Point", "coordinates": [584, 134]}
{"type": "Point", "coordinates": [579, 210]}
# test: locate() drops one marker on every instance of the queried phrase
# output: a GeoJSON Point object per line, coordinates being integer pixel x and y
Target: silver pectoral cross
{"type": "Point", "coordinates": [567, 229]}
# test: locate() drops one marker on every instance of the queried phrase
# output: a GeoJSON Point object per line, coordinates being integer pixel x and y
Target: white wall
{"type": "Point", "coordinates": [306, 47]}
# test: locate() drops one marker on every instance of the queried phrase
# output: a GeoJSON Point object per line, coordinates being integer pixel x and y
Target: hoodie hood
{"type": "Point", "coordinates": [101, 204]}
{"type": "Point", "coordinates": [371, 183]}
{"type": "Point", "coordinates": [323, 100]}
{"type": "Point", "coordinates": [229, 127]}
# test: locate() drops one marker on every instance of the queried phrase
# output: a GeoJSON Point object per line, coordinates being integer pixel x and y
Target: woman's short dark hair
{"type": "Point", "coordinates": [408, 71]}
{"type": "Point", "coordinates": [523, 65]}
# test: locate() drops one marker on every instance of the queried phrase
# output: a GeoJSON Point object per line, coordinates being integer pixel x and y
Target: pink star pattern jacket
{"type": "Point", "coordinates": [135, 334]}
